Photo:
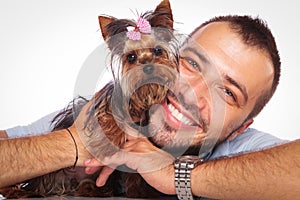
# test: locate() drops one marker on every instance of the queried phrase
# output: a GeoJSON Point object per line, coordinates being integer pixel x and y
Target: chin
{"type": "Point", "coordinates": [175, 141]}
{"type": "Point", "coordinates": [179, 139]}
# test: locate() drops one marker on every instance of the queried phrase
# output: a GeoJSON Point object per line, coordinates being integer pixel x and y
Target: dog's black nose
{"type": "Point", "coordinates": [148, 69]}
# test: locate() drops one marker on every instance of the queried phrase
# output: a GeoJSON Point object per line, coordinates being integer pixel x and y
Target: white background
{"type": "Point", "coordinates": [44, 43]}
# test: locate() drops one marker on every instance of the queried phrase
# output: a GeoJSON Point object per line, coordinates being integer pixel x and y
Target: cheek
{"type": "Point", "coordinates": [233, 120]}
{"type": "Point", "coordinates": [184, 72]}
{"type": "Point", "coordinates": [223, 120]}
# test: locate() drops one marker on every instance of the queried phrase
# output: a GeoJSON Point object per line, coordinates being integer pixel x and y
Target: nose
{"type": "Point", "coordinates": [148, 69]}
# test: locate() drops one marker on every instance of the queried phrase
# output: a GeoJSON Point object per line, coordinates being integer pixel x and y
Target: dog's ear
{"type": "Point", "coordinates": [104, 21]}
{"type": "Point", "coordinates": [114, 32]}
{"type": "Point", "coordinates": [162, 16]}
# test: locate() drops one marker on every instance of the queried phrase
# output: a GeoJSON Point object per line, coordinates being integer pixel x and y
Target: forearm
{"type": "Point", "coordinates": [28, 157]}
{"type": "Point", "coordinates": [268, 174]}
{"type": "Point", "coordinates": [3, 134]}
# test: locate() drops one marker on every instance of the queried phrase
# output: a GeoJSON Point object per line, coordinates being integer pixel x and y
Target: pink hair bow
{"type": "Point", "coordinates": [142, 26]}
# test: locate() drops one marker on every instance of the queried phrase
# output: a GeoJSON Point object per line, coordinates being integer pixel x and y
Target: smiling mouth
{"type": "Point", "coordinates": [179, 118]}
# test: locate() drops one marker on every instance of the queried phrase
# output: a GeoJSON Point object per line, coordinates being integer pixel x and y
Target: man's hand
{"type": "Point", "coordinates": [140, 155]}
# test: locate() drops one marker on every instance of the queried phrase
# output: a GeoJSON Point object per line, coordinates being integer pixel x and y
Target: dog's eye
{"type": "Point", "coordinates": [158, 51]}
{"type": "Point", "coordinates": [131, 58]}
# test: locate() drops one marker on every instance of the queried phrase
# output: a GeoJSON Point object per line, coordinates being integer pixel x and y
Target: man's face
{"type": "Point", "coordinates": [221, 79]}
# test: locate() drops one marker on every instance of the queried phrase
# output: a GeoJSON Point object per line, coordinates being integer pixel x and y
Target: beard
{"type": "Point", "coordinates": [168, 139]}
{"type": "Point", "coordinates": [181, 141]}
{"type": "Point", "coordinates": [175, 141]}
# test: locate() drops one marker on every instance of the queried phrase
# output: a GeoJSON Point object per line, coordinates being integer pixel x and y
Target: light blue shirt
{"type": "Point", "coordinates": [41, 126]}
{"type": "Point", "coordinates": [250, 140]}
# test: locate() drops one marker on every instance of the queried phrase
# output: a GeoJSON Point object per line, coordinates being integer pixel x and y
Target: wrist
{"type": "Point", "coordinates": [172, 182]}
{"type": "Point", "coordinates": [169, 186]}
{"type": "Point", "coordinates": [166, 184]}
{"type": "Point", "coordinates": [199, 180]}
{"type": "Point", "coordinates": [194, 180]}
{"type": "Point", "coordinates": [184, 176]}
{"type": "Point", "coordinates": [82, 152]}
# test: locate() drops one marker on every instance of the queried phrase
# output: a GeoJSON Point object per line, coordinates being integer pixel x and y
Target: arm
{"type": "Point", "coordinates": [28, 157]}
{"type": "Point", "coordinates": [269, 174]}
{"type": "Point", "coordinates": [3, 134]}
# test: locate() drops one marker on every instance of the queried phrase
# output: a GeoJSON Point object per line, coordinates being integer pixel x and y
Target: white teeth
{"type": "Point", "coordinates": [178, 115]}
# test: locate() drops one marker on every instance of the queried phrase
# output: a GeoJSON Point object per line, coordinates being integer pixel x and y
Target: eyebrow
{"type": "Point", "coordinates": [239, 86]}
{"type": "Point", "coordinates": [198, 54]}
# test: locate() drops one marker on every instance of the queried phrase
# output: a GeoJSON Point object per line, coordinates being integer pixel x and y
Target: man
{"type": "Point", "coordinates": [239, 47]}
{"type": "Point", "coordinates": [249, 71]}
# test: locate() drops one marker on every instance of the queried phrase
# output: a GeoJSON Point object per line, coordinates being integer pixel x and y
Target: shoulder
{"type": "Point", "coordinates": [41, 126]}
{"type": "Point", "coordinates": [250, 140]}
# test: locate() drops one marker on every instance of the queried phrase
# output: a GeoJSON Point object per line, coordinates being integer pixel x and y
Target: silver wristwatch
{"type": "Point", "coordinates": [183, 166]}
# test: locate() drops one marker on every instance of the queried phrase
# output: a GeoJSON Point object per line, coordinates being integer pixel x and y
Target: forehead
{"type": "Point", "coordinates": [247, 65]}
{"type": "Point", "coordinates": [146, 41]}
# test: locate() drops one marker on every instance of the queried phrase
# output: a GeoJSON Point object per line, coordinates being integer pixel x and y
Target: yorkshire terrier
{"type": "Point", "coordinates": [147, 53]}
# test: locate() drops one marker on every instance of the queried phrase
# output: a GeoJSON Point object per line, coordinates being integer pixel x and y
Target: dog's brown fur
{"type": "Point", "coordinates": [109, 110]}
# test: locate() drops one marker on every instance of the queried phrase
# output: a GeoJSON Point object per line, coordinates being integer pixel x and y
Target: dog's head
{"type": "Point", "coordinates": [144, 56]}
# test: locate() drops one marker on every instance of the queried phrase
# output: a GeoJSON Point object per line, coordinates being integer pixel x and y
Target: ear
{"type": "Point", "coordinates": [114, 32]}
{"type": "Point", "coordinates": [241, 129]}
{"type": "Point", "coordinates": [103, 22]}
{"type": "Point", "coordinates": [162, 16]}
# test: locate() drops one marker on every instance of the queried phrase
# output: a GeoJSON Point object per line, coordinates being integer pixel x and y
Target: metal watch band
{"type": "Point", "coordinates": [183, 166]}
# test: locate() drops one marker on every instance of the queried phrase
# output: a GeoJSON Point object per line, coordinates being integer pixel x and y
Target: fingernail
{"type": "Point", "coordinates": [98, 182]}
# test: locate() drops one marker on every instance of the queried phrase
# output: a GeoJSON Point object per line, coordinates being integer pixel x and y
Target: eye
{"type": "Point", "coordinates": [229, 93]}
{"type": "Point", "coordinates": [131, 58]}
{"type": "Point", "coordinates": [158, 51]}
{"type": "Point", "coordinates": [193, 63]}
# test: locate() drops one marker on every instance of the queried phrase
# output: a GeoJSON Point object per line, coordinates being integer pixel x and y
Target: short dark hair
{"type": "Point", "coordinates": [254, 32]}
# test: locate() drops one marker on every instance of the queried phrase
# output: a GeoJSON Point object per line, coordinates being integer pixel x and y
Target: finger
{"type": "Point", "coordinates": [129, 144]}
{"type": "Point", "coordinates": [104, 175]}
{"type": "Point", "coordinates": [93, 162]}
{"type": "Point", "coordinates": [201, 135]}
{"type": "Point", "coordinates": [91, 170]}
{"type": "Point", "coordinates": [131, 133]}
{"type": "Point", "coordinates": [141, 145]}
{"type": "Point", "coordinates": [92, 165]}
{"type": "Point", "coordinates": [135, 136]}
